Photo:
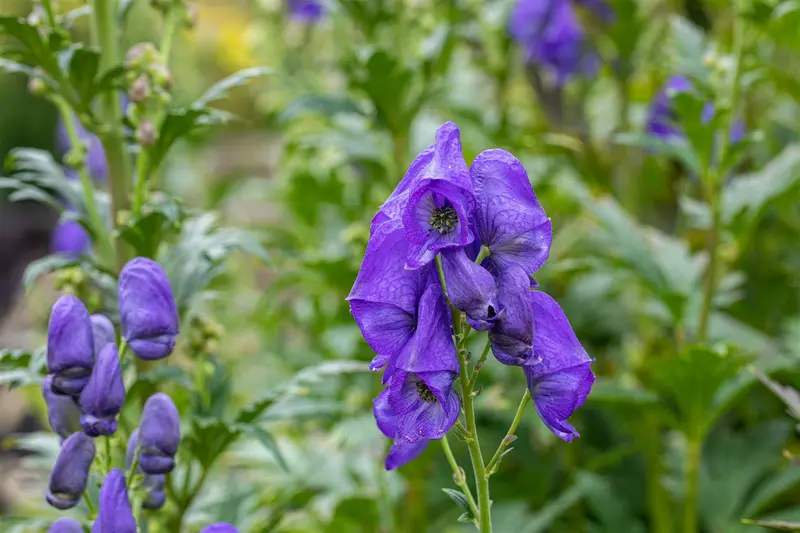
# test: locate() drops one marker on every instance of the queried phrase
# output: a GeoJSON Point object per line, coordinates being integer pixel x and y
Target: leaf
{"type": "Point", "coordinates": [220, 89]}
{"type": "Point", "coordinates": [788, 395]}
{"type": "Point", "coordinates": [12, 67]}
{"type": "Point", "coordinates": [44, 266]}
{"type": "Point", "coordinates": [267, 440]}
{"type": "Point", "coordinates": [159, 220]}
{"type": "Point", "coordinates": [72, 15]}
{"type": "Point", "coordinates": [459, 499]}
{"type": "Point", "coordinates": [179, 124]}
{"type": "Point", "coordinates": [325, 105]}
{"type": "Point", "coordinates": [773, 524]}
{"type": "Point", "coordinates": [677, 149]}
{"type": "Point", "coordinates": [34, 174]}
{"type": "Point", "coordinates": [689, 48]}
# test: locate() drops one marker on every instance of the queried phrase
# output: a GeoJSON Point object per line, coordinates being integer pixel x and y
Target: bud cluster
{"type": "Point", "coordinates": [149, 85]}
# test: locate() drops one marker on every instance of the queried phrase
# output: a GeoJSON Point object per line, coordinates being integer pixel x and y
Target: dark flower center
{"type": "Point", "coordinates": [424, 392]}
{"type": "Point", "coordinates": [444, 219]}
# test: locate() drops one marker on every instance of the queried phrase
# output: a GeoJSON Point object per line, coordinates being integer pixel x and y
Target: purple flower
{"type": "Point", "coordinates": [510, 220]}
{"type": "Point", "coordinates": [402, 313]}
{"type": "Point", "coordinates": [306, 10]}
{"type": "Point", "coordinates": [69, 475]}
{"type": "Point", "coordinates": [148, 314]}
{"type": "Point", "coordinates": [512, 337]}
{"type": "Point", "coordinates": [104, 395]}
{"type": "Point", "coordinates": [70, 346]}
{"type": "Point", "coordinates": [413, 409]}
{"type": "Point", "coordinates": [115, 514]}
{"type": "Point", "coordinates": [552, 37]}
{"type": "Point", "coordinates": [220, 528]}
{"type": "Point", "coordinates": [153, 484]}
{"type": "Point", "coordinates": [95, 160]}
{"type": "Point", "coordinates": [561, 381]}
{"type": "Point", "coordinates": [471, 289]}
{"type": "Point", "coordinates": [70, 238]}
{"type": "Point", "coordinates": [159, 435]}
{"type": "Point", "coordinates": [65, 525]}
{"type": "Point", "coordinates": [62, 412]}
{"type": "Point", "coordinates": [434, 200]}
{"type": "Point", "coordinates": [102, 332]}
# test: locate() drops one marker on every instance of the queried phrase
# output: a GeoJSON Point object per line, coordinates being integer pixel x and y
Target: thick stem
{"type": "Point", "coordinates": [510, 437]}
{"type": "Point", "coordinates": [692, 463]}
{"type": "Point", "coordinates": [458, 476]}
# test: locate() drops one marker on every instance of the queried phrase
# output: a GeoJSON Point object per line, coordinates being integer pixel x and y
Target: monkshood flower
{"type": "Point", "coordinates": [148, 314]}
{"type": "Point", "coordinates": [511, 222]}
{"type": "Point", "coordinates": [306, 10]}
{"type": "Point", "coordinates": [551, 36]}
{"type": "Point", "coordinates": [220, 528]}
{"type": "Point", "coordinates": [434, 200]}
{"type": "Point", "coordinates": [413, 409]}
{"type": "Point", "coordinates": [402, 313]}
{"type": "Point", "coordinates": [115, 514]}
{"type": "Point", "coordinates": [69, 238]}
{"type": "Point", "coordinates": [102, 332]}
{"type": "Point", "coordinates": [65, 525]}
{"type": "Point", "coordinates": [471, 289]}
{"type": "Point", "coordinates": [104, 395]}
{"type": "Point", "coordinates": [512, 337]}
{"type": "Point", "coordinates": [70, 346]}
{"type": "Point", "coordinates": [153, 484]}
{"type": "Point", "coordinates": [561, 378]}
{"type": "Point", "coordinates": [62, 412]}
{"type": "Point", "coordinates": [69, 475]}
{"type": "Point", "coordinates": [159, 435]}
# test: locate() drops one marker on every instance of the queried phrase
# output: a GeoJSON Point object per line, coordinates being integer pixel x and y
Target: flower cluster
{"type": "Point", "coordinates": [552, 36]}
{"type": "Point", "coordinates": [484, 231]}
{"type": "Point", "coordinates": [85, 393]}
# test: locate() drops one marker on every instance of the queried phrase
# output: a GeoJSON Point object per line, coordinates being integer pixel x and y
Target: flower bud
{"type": "Point", "coordinates": [65, 525]}
{"type": "Point", "coordinates": [140, 89]}
{"type": "Point", "coordinates": [140, 54]}
{"type": "Point", "coordinates": [153, 484]}
{"type": "Point", "coordinates": [37, 86]}
{"type": "Point", "coordinates": [102, 332]}
{"type": "Point", "coordinates": [159, 435]}
{"type": "Point", "coordinates": [70, 346]}
{"type": "Point", "coordinates": [69, 238]}
{"type": "Point", "coordinates": [115, 514]}
{"type": "Point", "coordinates": [146, 133]}
{"type": "Point", "coordinates": [149, 316]}
{"type": "Point", "coordinates": [62, 413]}
{"type": "Point", "coordinates": [161, 75]}
{"type": "Point", "coordinates": [104, 395]}
{"type": "Point", "coordinates": [220, 528]}
{"type": "Point", "coordinates": [69, 475]}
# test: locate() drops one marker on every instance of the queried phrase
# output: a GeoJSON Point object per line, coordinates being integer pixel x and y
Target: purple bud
{"type": "Point", "coordinates": [65, 525]}
{"type": "Point", "coordinates": [149, 316]}
{"type": "Point", "coordinates": [159, 435]}
{"type": "Point", "coordinates": [69, 475]}
{"type": "Point", "coordinates": [155, 496]}
{"type": "Point", "coordinates": [130, 451]}
{"type": "Point", "coordinates": [221, 527]}
{"type": "Point", "coordinates": [115, 514]}
{"type": "Point", "coordinates": [69, 238]}
{"type": "Point", "coordinates": [104, 395]}
{"type": "Point", "coordinates": [102, 332]}
{"type": "Point", "coordinates": [62, 413]}
{"type": "Point", "coordinates": [70, 346]}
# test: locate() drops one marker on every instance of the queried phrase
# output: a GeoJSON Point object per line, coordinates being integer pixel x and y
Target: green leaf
{"type": "Point", "coordinates": [158, 221]}
{"type": "Point", "coordinates": [179, 124]}
{"type": "Point", "coordinates": [773, 524]}
{"type": "Point", "coordinates": [44, 266]}
{"type": "Point", "coordinates": [677, 149]}
{"type": "Point", "coordinates": [325, 105]}
{"type": "Point", "coordinates": [34, 174]}
{"type": "Point", "coordinates": [689, 48]}
{"type": "Point", "coordinates": [267, 440]}
{"type": "Point", "coordinates": [788, 395]}
{"type": "Point", "coordinates": [220, 89]}
{"type": "Point", "coordinates": [12, 67]}
{"type": "Point", "coordinates": [459, 499]}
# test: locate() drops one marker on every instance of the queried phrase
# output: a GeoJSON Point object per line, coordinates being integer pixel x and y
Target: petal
{"type": "Point", "coordinates": [115, 514]}
{"type": "Point", "coordinates": [431, 347]}
{"type": "Point", "coordinates": [65, 525]}
{"type": "Point", "coordinates": [70, 238]}
{"type": "Point", "coordinates": [71, 471]}
{"type": "Point", "coordinates": [103, 397]}
{"type": "Point", "coordinates": [554, 343]}
{"type": "Point", "coordinates": [385, 327]}
{"type": "Point", "coordinates": [418, 418]}
{"type": "Point", "coordinates": [159, 434]}
{"type": "Point", "coordinates": [403, 452]}
{"type": "Point", "coordinates": [471, 289]}
{"type": "Point", "coordinates": [62, 412]}
{"type": "Point", "coordinates": [511, 222]}
{"type": "Point", "coordinates": [512, 337]}
{"type": "Point", "coordinates": [220, 528]}
{"type": "Point", "coordinates": [384, 415]}
{"type": "Point", "coordinates": [102, 332]}
{"type": "Point", "coordinates": [70, 345]}
{"type": "Point", "coordinates": [393, 207]}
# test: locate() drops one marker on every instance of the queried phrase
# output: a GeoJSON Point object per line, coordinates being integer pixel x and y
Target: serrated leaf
{"type": "Point", "coordinates": [267, 440]}
{"type": "Point", "coordinates": [179, 124]}
{"type": "Point", "coordinates": [459, 499]}
{"type": "Point", "coordinates": [158, 221]}
{"type": "Point", "coordinates": [220, 89]}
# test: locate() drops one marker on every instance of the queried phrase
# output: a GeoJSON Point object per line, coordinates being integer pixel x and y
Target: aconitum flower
{"type": "Point", "coordinates": [512, 337]}
{"type": "Point", "coordinates": [414, 409]}
{"type": "Point", "coordinates": [62, 412]}
{"type": "Point", "coordinates": [102, 332]}
{"type": "Point", "coordinates": [159, 435]}
{"type": "Point", "coordinates": [104, 395]}
{"type": "Point", "coordinates": [561, 379]}
{"type": "Point", "coordinates": [306, 10]}
{"type": "Point", "coordinates": [471, 289]}
{"type": "Point", "coordinates": [69, 238]}
{"type": "Point", "coordinates": [552, 37]}
{"type": "Point", "coordinates": [115, 514]}
{"type": "Point", "coordinates": [70, 346]}
{"type": "Point", "coordinates": [65, 525]}
{"type": "Point", "coordinates": [220, 528]}
{"type": "Point", "coordinates": [153, 484]}
{"type": "Point", "coordinates": [402, 313]}
{"type": "Point", "coordinates": [148, 314]}
{"type": "Point", "coordinates": [69, 475]}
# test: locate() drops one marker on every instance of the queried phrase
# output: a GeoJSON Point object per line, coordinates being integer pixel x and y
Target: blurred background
{"type": "Point", "coordinates": [357, 91]}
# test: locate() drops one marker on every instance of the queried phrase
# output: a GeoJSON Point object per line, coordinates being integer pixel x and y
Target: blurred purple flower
{"type": "Point", "coordinates": [414, 409]}
{"type": "Point", "coordinates": [102, 332]}
{"type": "Point", "coordinates": [104, 395]}
{"type": "Point", "coordinates": [95, 160]}
{"type": "Point", "coordinates": [69, 475]}
{"type": "Point", "coordinates": [599, 8]}
{"type": "Point", "coordinates": [65, 525]}
{"type": "Point", "coordinates": [159, 435]}
{"type": "Point", "coordinates": [62, 412]}
{"type": "Point", "coordinates": [220, 528]}
{"type": "Point", "coordinates": [115, 514]}
{"type": "Point", "coordinates": [561, 379]}
{"type": "Point", "coordinates": [148, 314]}
{"type": "Point", "coordinates": [402, 313]}
{"type": "Point", "coordinates": [70, 346]}
{"type": "Point", "coordinates": [70, 238]}
{"type": "Point", "coordinates": [306, 10]}
{"type": "Point", "coordinates": [552, 37]}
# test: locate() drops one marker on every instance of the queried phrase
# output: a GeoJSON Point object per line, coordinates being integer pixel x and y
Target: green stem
{"type": "Point", "coordinates": [132, 470]}
{"type": "Point", "coordinates": [458, 476]}
{"type": "Point", "coordinates": [89, 503]}
{"type": "Point", "coordinates": [510, 437]}
{"type": "Point", "coordinates": [483, 254]}
{"type": "Point", "coordinates": [109, 462]}
{"type": "Point", "coordinates": [167, 33]}
{"type": "Point", "coordinates": [106, 30]}
{"type": "Point", "coordinates": [692, 463]}
{"type": "Point", "coordinates": [478, 365]}
{"type": "Point", "coordinates": [51, 15]}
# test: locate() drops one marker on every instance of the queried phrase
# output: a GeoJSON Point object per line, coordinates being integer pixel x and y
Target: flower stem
{"type": "Point", "coordinates": [458, 477]}
{"type": "Point", "coordinates": [692, 463]}
{"type": "Point", "coordinates": [479, 364]}
{"type": "Point", "coordinates": [51, 15]}
{"type": "Point", "coordinates": [483, 254]}
{"type": "Point", "coordinates": [510, 437]}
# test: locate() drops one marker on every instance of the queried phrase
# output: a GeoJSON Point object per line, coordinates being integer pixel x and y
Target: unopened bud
{"type": "Point", "coordinates": [140, 54]}
{"type": "Point", "coordinates": [162, 76]}
{"type": "Point", "coordinates": [146, 133]}
{"type": "Point", "coordinates": [140, 89]}
{"type": "Point", "coordinates": [509, 439]}
{"type": "Point", "coordinates": [37, 86]}
{"type": "Point", "coordinates": [459, 477]}
{"type": "Point", "coordinates": [75, 156]}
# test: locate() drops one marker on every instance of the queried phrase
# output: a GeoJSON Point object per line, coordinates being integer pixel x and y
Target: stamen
{"type": "Point", "coordinates": [424, 392]}
{"type": "Point", "coordinates": [444, 219]}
